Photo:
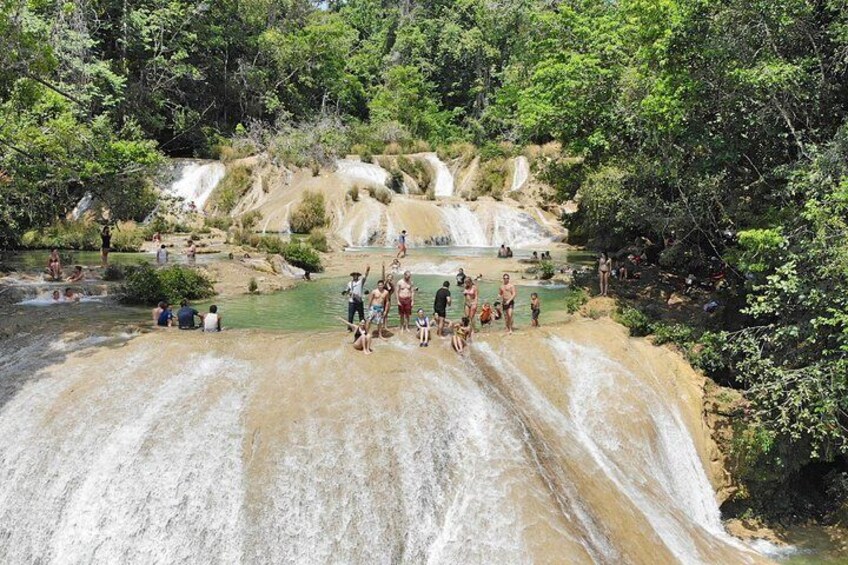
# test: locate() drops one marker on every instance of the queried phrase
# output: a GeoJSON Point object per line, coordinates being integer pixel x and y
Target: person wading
{"type": "Point", "coordinates": [355, 293]}
{"type": "Point", "coordinates": [440, 307]}
{"type": "Point", "coordinates": [406, 300]}
{"type": "Point", "coordinates": [508, 294]}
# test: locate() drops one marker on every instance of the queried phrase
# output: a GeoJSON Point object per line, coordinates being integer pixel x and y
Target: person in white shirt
{"type": "Point", "coordinates": [355, 291]}
{"type": "Point", "coordinates": [212, 320]}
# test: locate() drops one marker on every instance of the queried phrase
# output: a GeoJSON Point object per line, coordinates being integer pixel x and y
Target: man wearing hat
{"type": "Point", "coordinates": [355, 291]}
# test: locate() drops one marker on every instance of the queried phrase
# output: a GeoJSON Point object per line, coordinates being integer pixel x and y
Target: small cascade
{"type": "Point", "coordinates": [360, 227]}
{"type": "Point", "coordinates": [516, 228]}
{"type": "Point", "coordinates": [520, 173]}
{"type": "Point", "coordinates": [464, 226]}
{"type": "Point", "coordinates": [443, 180]}
{"type": "Point", "coordinates": [368, 173]}
{"type": "Point", "coordinates": [83, 206]}
{"type": "Point", "coordinates": [285, 226]}
{"type": "Point", "coordinates": [195, 180]}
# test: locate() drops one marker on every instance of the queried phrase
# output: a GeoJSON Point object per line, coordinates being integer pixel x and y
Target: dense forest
{"type": "Point", "coordinates": [712, 128]}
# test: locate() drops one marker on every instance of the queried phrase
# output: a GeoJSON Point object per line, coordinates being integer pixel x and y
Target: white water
{"type": "Point", "coordinates": [520, 173]}
{"type": "Point", "coordinates": [83, 206]}
{"type": "Point", "coordinates": [464, 227]}
{"type": "Point", "coordinates": [492, 225]}
{"type": "Point", "coordinates": [195, 181]}
{"type": "Point", "coordinates": [276, 449]}
{"type": "Point", "coordinates": [443, 179]}
{"type": "Point", "coordinates": [367, 173]}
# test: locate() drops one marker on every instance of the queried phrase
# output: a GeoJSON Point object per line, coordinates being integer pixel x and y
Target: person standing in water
{"type": "Point", "coordinates": [191, 252]}
{"type": "Point", "coordinates": [406, 300]}
{"type": "Point", "coordinates": [361, 339]}
{"type": "Point", "coordinates": [402, 245]}
{"type": "Point", "coordinates": [105, 245]}
{"type": "Point", "coordinates": [508, 294]}
{"type": "Point", "coordinates": [535, 309]}
{"type": "Point", "coordinates": [54, 265]}
{"type": "Point", "coordinates": [440, 307]}
{"type": "Point", "coordinates": [162, 255]}
{"type": "Point", "coordinates": [376, 313]}
{"type": "Point", "coordinates": [460, 278]}
{"type": "Point", "coordinates": [604, 268]}
{"type": "Point", "coordinates": [355, 292]}
{"type": "Point", "coordinates": [471, 294]}
{"type": "Point", "coordinates": [389, 286]}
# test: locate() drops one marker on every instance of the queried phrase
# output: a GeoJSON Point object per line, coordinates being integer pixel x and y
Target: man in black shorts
{"type": "Point", "coordinates": [440, 307]}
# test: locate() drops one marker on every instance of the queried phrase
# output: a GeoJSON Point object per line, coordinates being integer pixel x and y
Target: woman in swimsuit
{"type": "Point", "coordinates": [604, 268]}
{"type": "Point", "coordinates": [471, 294]}
{"type": "Point", "coordinates": [54, 265]}
{"type": "Point", "coordinates": [389, 287]}
{"type": "Point", "coordinates": [461, 334]}
{"type": "Point", "coordinates": [361, 339]}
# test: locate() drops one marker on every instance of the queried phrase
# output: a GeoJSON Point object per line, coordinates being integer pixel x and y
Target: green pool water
{"type": "Point", "coordinates": [36, 260]}
{"type": "Point", "coordinates": [576, 257]}
{"type": "Point", "coordinates": [317, 305]}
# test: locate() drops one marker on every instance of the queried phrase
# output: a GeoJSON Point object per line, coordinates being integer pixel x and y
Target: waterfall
{"type": "Point", "coordinates": [195, 180]}
{"type": "Point", "coordinates": [361, 226]}
{"type": "Point", "coordinates": [464, 226]}
{"type": "Point", "coordinates": [368, 173]}
{"type": "Point", "coordinates": [491, 225]}
{"type": "Point", "coordinates": [520, 173]}
{"type": "Point", "coordinates": [443, 179]}
{"type": "Point", "coordinates": [567, 445]}
{"type": "Point", "coordinates": [83, 206]}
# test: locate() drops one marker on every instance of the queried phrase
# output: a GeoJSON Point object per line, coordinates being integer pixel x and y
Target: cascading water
{"type": "Point", "coordinates": [520, 173]}
{"type": "Point", "coordinates": [280, 449]}
{"type": "Point", "coordinates": [516, 228]}
{"type": "Point", "coordinates": [195, 180]}
{"type": "Point", "coordinates": [370, 174]}
{"type": "Point", "coordinates": [443, 183]}
{"type": "Point", "coordinates": [83, 206]}
{"type": "Point", "coordinates": [464, 226]}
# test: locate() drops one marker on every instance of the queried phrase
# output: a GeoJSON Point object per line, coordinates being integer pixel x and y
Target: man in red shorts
{"type": "Point", "coordinates": [406, 300]}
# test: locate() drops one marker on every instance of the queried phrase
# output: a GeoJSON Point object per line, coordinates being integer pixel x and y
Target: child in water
{"type": "Point", "coordinates": [486, 314]}
{"type": "Point", "coordinates": [535, 310]}
{"type": "Point", "coordinates": [422, 322]}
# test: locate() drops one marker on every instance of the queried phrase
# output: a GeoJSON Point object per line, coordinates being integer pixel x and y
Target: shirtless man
{"type": "Point", "coordinates": [191, 252]}
{"type": "Point", "coordinates": [508, 294]}
{"type": "Point", "coordinates": [376, 309]}
{"type": "Point", "coordinates": [406, 300]}
{"type": "Point", "coordinates": [471, 294]}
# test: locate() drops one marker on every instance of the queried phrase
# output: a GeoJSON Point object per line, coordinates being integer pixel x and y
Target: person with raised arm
{"type": "Point", "coordinates": [361, 338]}
{"type": "Point", "coordinates": [355, 293]}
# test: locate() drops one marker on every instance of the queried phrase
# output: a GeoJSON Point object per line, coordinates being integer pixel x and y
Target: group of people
{"type": "Point", "coordinates": [373, 308]}
{"type": "Point", "coordinates": [504, 252]}
{"type": "Point", "coordinates": [185, 317]}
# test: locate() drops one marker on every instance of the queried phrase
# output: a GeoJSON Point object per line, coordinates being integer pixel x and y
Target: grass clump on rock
{"type": "Point", "coordinates": [309, 214]}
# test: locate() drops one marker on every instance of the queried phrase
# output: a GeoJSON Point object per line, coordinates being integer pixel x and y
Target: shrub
{"type": "Point", "coordinates": [575, 297]}
{"type": "Point", "coordinates": [635, 320]}
{"type": "Point", "coordinates": [420, 146]}
{"type": "Point", "coordinates": [252, 286]}
{"type": "Point", "coordinates": [394, 181]}
{"type": "Point", "coordinates": [677, 334]}
{"type": "Point", "coordinates": [491, 179]}
{"type": "Point", "coordinates": [270, 244]}
{"type": "Point", "coordinates": [145, 285]}
{"type": "Point", "coordinates": [546, 270]}
{"type": "Point", "coordinates": [127, 236]}
{"type": "Point", "coordinates": [222, 223]}
{"type": "Point", "coordinates": [250, 219]}
{"type": "Point", "coordinates": [231, 188]}
{"type": "Point", "coordinates": [417, 170]}
{"type": "Point", "coordinates": [380, 194]}
{"type": "Point", "coordinates": [359, 149]}
{"type": "Point", "coordinates": [113, 273]}
{"type": "Point", "coordinates": [309, 213]}
{"type": "Point", "coordinates": [318, 240]}
{"type": "Point", "coordinates": [82, 235]}
{"type": "Point", "coordinates": [366, 157]}
{"type": "Point", "coordinates": [303, 256]}
{"type": "Point", "coordinates": [392, 149]}
{"type": "Point", "coordinates": [353, 193]}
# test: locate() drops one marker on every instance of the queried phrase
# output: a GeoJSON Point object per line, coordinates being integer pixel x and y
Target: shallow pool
{"type": "Point", "coordinates": [576, 257]}
{"type": "Point", "coordinates": [36, 260]}
{"type": "Point", "coordinates": [318, 304]}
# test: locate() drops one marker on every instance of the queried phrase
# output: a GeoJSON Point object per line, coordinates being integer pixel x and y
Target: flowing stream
{"type": "Point", "coordinates": [194, 180]}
